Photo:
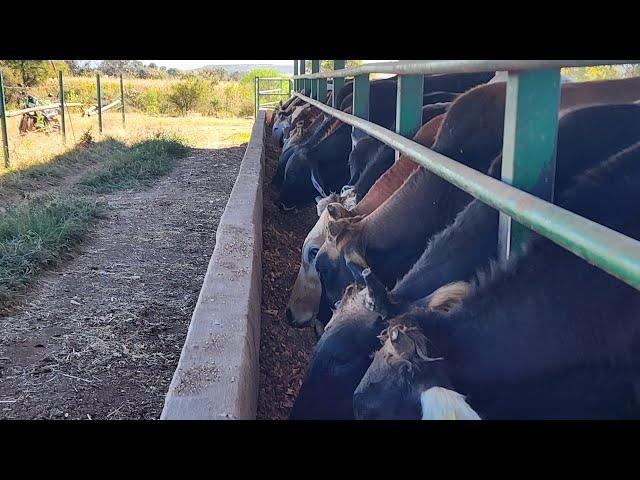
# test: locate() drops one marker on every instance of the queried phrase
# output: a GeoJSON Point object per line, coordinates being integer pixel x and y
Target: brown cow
{"type": "Point", "coordinates": [394, 234]}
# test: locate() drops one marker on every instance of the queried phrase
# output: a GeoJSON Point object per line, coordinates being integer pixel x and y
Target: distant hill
{"type": "Point", "coordinates": [241, 67]}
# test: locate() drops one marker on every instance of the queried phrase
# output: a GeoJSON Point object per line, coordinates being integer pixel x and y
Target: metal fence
{"type": "Point", "coordinates": [533, 93]}
{"type": "Point", "coordinates": [62, 106]}
{"type": "Point", "coordinates": [273, 94]}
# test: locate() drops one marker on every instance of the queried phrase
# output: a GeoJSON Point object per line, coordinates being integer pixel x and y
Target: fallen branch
{"type": "Point", "coordinates": [40, 107]}
{"type": "Point", "coordinates": [94, 109]}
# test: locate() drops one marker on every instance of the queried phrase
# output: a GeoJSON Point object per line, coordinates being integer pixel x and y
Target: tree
{"type": "Point", "coordinates": [31, 72]}
{"type": "Point", "coordinates": [248, 77]}
{"type": "Point", "coordinates": [73, 66]}
{"type": "Point", "coordinates": [327, 65]}
{"type": "Point", "coordinates": [187, 93]}
{"type": "Point", "coordinates": [597, 72]}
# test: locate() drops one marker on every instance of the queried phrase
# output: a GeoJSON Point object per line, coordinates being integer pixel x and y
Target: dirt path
{"type": "Point", "coordinates": [101, 336]}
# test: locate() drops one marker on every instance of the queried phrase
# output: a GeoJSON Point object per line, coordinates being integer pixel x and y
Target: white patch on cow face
{"type": "Point", "coordinates": [304, 302]}
{"type": "Point", "coordinates": [442, 404]}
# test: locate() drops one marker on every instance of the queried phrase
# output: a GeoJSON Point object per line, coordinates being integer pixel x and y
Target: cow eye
{"type": "Point", "coordinates": [312, 254]}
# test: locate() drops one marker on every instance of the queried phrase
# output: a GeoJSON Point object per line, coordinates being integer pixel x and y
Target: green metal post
{"type": "Point", "coordinates": [361, 96]}
{"type": "Point", "coordinates": [256, 86]}
{"type": "Point", "coordinates": [409, 105]}
{"type": "Point", "coordinates": [99, 91]}
{"type": "Point", "coordinates": [62, 118]}
{"type": "Point", "coordinates": [122, 99]}
{"type": "Point", "coordinates": [3, 120]}
{"type": "Point", "coordinates": [322, 89]}
{"type": "Point", "coordinates": [295, 72]}
{"type": "Point", "coordinates": [529, 149]}
{"type": "Point", "coordinates": [338, 82]}
{"type": "Point", "coordinates": [301, 83]}
{"type": "Point", "coordinates": [315, 68]}
{"type": "Point", "coordinates": [306, 83]}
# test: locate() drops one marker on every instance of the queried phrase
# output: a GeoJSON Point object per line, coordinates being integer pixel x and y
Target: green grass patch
{"type": "Point", "coordinates": [138, 165]}
{"type": "Point", "coordinates": [39, 234]}
{"type": "Point", "coordinates": [240, 137]}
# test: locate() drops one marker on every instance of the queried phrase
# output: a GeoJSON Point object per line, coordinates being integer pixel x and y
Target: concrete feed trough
{"type": "Point", "coordinates": [218, 373]}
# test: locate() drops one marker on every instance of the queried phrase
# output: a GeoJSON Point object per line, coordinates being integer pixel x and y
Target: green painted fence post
{"type": "Point", "coordinates": [295, 72]}
{"type": "Point", "coordinates": [361, 96]}
{"type": "Point", "coordinates": [256, 86]}
{"type": "Point", "coordinates": [322, 89]}
{"type": "Point", "coordinates": [529, 150]}
{"type": "Point", "coordinates": [3, 121]}
{"type": "Point", "coordinates": [301, 82]}
{"type": "Point", "coordinates": [306, 83]}
{"type": "Point", "coordinates": [122, 99]}
{"type": "Point", "coordinates": [338, 82]}
{"type": "Point", "coordinates": [99, 95]}
{"type": "Point", "coordinates": [315, 68]}
{"type": "Point", "coordinates": [409, 105]}
{"type": "Point", "coordinates": [62, 118]}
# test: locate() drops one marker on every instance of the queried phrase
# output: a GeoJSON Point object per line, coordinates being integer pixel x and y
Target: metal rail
{"type": "Point", "coordinates": [426, 67]}
{"type": "Point", "coordinates": [275, 92]}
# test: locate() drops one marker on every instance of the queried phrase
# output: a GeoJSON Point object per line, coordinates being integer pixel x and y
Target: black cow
{"type": "Point", "coordinates": [585, 137]}
{"type": "Point", "coordinates": [546, 323]}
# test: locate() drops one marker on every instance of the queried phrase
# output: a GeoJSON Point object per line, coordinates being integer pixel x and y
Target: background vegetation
{"type": "Point", "coordinates": [149, 89]}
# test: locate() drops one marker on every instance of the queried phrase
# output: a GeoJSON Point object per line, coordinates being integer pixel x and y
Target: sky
{"type": "Point", "coordinates": [190, 64]}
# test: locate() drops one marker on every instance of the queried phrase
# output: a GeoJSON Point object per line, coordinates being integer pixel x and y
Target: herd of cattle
{"type": "Point", "coordinates": [415, 315]}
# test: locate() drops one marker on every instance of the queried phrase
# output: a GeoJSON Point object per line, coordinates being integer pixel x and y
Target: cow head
{"type": "Point", "coordinates": [296, 188]}
{"type": "Point", "coordinates": [406, 380]}
{"type": "Point", "coordinates": [339, 361]}
{"type": "Point", "coordinates": [304, 302]}
{"type": "Point", "coordinates": [281, 122]}
{"type": "Point", "coordinates": [339, 257]}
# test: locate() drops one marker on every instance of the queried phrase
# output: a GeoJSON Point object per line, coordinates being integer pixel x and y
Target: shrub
{"type": "Point", "coordinates": [187, 94]}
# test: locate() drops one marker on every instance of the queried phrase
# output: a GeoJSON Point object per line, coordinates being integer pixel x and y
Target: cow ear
{"type": "Point", "coordinates": [443, 404]}
{"type": "Point", "coordinates": [335, 228]}
{"type": "Point", "coordinates": [336, 211]}
{"type": "Point", "coordinates": [401, 342]}
{"type": "Point", "coordinates": [377, 296]}
{"type": "Point", "coordinates": [356, 264]}
{"type": "Point", "coordinates": [446, 298]}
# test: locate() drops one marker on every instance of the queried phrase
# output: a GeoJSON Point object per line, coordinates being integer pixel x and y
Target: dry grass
{"type": "Point", "coordinates": [197, 131]}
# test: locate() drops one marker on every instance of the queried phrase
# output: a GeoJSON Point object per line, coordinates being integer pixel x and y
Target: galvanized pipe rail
{"type": "Point", "coordinates": [278, 92]}
{"type": "Point", "coordinates": [533, 91]}
{"type": "Point", "coordinates": [428, 67]}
